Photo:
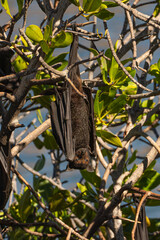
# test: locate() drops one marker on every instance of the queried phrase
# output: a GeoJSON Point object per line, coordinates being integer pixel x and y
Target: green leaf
{"type": "Point", "coordinates": [91, 5]}
{"type": "Point", "coordinates": [53, 60]}
{"type": "Point", "coordinates": [156, 10]}
{"type": "Point", "coordinates": [117, 104]}
{"type": "Point", "coordinates": [95, 52]}
{"type": "Point", "coordinates": [130, 89]}
{"type": "Point", "coordinates": [39, 116]}
{"type": "Point", "coordinates": [20, 5]}
{"type": "Point", "coordinates": [45, 188]}
{"type": "Point", "coordinates": [158, 64]}
{"type": "Point", "coordinates": [44, 46]}
{"type": "Point", "coordinates": [19, 64]}
{"type": "Point", "coordinates": [101, 103]}
{"type": "Point", "coordinates": [49, 140]}
{"type": "Point", "coordinates": [149, 180]}
{"type": "Point", "coordinates": [112, 4]}
{"type": "Point", "coordinates": [6, 7]}
{"type": "Point", "coordinates": [113, 70]}
{"type": "Point", "coordinates": [34, 33]}
{"type": "Point", "coordinates": [62, 39]}
{"type": "Point", "coordinates": [154, 70]}
{"type": "Point", "coordinates": [40, 163]}
{"type": "Point", "coordinates": [38, 143]}
{"type": "Point", "coordinates": [148, 104]}
{"type": "Point", "coordinates": [152, 202]}
{"type": "Point", "coordinates": [112, 92]}
{"type": "Point", "coordinates": [47, 31]}
{"type": "Point", "coordinates": [82, 188]}
{"type": "Point", "coordinates": [91, 177]}
{"type": "Point", "coordinates": [109, 137]}
{"type": "Point", "coordinates": [25, 206]}
{"type": "Point", "coordinates": [59, 199]}
{"type": "Point", "coordinates": [104, 14]}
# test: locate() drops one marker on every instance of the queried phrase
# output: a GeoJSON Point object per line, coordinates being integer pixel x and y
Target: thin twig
{"type": "Point", "coordinates": [119, 62]}
{"type": "Point", "coordinates": [46, 209]}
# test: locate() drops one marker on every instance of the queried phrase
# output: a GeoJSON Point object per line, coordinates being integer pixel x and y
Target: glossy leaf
{"type": "Point", "coordinates": [6, 7]}
{"type": "Point", "coordinates": [109, 137]}
{"type": "Point", "coordinates": [47, 31]}
{"type": "Point", "coordinates": [19, 64]}
{"type": "Point", "coordinates": [51, 60]}
{"type": "Point", "coordinates": [44, 46]}
{"type": "Point", "coordinates": [130, 89]}
{"type": "Point", "coordinates": [91, 5]}
{"type": "Point", "coordinates": [101, 103]}
{"type": "Point", "coordinates": [38, 143]}
{"type": "Point", "coordinates": [149, 180]}
{"type": "Point", "coordinates": [62, 39]}
{"type": "Point", "coordinates": [82, 188]}
{"type": "Point", "coordinates": [20, 5]}
{"type": "Point", "coordinates": [34, 33]}
{"type": "Point", "coordinates": [113, 4]}
{"type": "Point", "coordinates": [40, 163]}
{"type": "Point", "coordinates": [49, 140]}
{"type": "Point", "coordinates": [113, 70]}
{"type": "Point", "coordinates": [95, 52]}
{"type": "Point", "coordinates": [25, 206]}
{"type": "Point", "coordinates": [58, 201]}
{"type": "Point", "coordinates": [104, 14]}
{"type": "Point", "coordinates": [91, 177]}
{"type": "Point", "coordinates": [117, 104]}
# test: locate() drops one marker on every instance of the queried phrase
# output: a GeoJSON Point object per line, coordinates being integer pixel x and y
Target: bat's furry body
{"type": "Point", "coordinates": [5, 161]}
{"type": "Point", "coordinates": [74, 128]}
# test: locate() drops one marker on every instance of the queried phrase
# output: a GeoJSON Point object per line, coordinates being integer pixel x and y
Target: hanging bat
{"type": "Point", "coordinates": [5, 182]}
{"type": "Point", "coordinates": [72, 118]}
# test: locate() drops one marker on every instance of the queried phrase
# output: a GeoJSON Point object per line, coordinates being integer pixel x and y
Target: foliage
{"type": "Point", "coordinates": [126, 124]}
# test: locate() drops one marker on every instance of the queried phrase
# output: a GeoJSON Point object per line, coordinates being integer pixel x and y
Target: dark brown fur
{"type": "Point", "coordinates": [79, 142]}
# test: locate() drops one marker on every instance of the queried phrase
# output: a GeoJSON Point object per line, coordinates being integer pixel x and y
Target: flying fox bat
{"type": "Point", "coordinates": [72, 118]}
{"type": "Point", "coordinates": [5, 182]}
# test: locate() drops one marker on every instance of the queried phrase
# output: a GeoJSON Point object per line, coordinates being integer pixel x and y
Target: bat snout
{"type": "Point", "coordinates": [81, 159]}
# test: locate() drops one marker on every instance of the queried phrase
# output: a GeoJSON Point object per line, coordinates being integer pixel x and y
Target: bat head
{"type": "Point", "coordinates": [81, 159]}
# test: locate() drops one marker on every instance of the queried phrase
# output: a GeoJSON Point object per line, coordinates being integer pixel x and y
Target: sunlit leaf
{"type": "Point", "coordinates": [91, 5]}
{"type": "Point", "coordinates": [149, 180]}
{"type": "Point", "coordinates": [19, 64]}
{"type": "Point", "coordinates": [62, 39]}
{"type": "Point", "coordinates": [104, 14]}
{"type": "Point", "coordinates": [81, 187]}
{"type": "Point", "coordinates": [47, 32]}
{"type": "Point", "coordinates": [20, 5]}
{"type": "Point", "coordinates": [6, 7]}
{"type": "Point", "coordinates": [91, 177]}
{"type": "Point", "coordinates": [34, 33]}
{"type": "Point", "coordinates": [44, 46]}
{"type": "Point", "coordinates": [117, 104]}
{"type": "Point", "coordinates": [109, 137]}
